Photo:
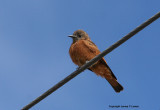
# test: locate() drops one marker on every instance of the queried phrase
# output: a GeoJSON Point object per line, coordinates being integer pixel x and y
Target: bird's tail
{"type": "Point", "coordinates": [100, 69]}
{"type": "Point", "coordinates": [114, 83]}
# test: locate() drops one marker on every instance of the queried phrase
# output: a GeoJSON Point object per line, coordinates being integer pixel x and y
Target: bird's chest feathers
{"type": "Point", "coordinates": [77, 53]}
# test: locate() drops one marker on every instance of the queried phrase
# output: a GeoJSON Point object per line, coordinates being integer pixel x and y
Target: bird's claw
{"type": "Point", "coordinates": [87, 61]}
{"type": "Point", "coordinates": [78, 67]}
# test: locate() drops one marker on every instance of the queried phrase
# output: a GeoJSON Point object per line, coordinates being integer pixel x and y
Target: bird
{"type": "Point", "coordinates": [83, 50]}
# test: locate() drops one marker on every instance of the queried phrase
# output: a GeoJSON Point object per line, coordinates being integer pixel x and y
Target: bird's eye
{"type": "Point", "coordinates": [79, 36]}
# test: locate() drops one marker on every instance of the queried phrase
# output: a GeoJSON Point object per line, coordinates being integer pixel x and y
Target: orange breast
{"type": "Point", "coordinates": [78, 52]}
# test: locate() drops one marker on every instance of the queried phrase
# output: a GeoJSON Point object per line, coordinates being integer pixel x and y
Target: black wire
{"type": "Point", "coordinates": [88, 64]}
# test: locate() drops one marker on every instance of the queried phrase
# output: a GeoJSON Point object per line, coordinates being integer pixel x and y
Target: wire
{"type": "Point", "coordinates": [88, 64]}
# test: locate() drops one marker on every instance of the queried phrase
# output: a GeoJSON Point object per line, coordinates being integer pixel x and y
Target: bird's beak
{"type": "Point", "coordinates": [72, 36]}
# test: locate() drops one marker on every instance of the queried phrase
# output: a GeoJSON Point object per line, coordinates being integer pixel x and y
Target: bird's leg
{"type": "Point", "coordinates": [78, 67]}
{"type": "Point", "coordinates": [87, 61]}
{"type": "Point", "coordinates": [91, 65]}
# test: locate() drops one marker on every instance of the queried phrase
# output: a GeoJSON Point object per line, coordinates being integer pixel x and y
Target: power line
{"type": "Point", "coordinates": [88, 64]}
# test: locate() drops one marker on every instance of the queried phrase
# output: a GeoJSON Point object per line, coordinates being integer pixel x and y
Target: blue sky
{"type": "Point", "coordinates": [34, 53]}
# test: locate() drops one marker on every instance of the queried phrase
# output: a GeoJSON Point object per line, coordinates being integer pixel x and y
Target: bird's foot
{"type": "Point", "coordinates": [87, 61]}
{"type": "Point", "coordinates": [91, 65]}
{"type": "Point", "coordinates": [78, 67]}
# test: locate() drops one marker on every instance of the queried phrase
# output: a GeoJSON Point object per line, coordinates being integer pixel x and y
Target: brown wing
{"type": "Point", "coordinates": [104, 62]}
{"type": "Point", "coordinates": [92, 48]}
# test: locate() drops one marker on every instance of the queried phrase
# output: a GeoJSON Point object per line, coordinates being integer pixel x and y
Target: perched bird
{"type": "Point", "coordinates": [83, 49]}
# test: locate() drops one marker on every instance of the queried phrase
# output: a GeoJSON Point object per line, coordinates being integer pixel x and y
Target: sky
{"type": "Point", "coordinates": [34, 54]}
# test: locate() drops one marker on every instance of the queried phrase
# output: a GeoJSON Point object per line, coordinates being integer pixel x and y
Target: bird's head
{"type": "Point", "coordinates": [79, 35]}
